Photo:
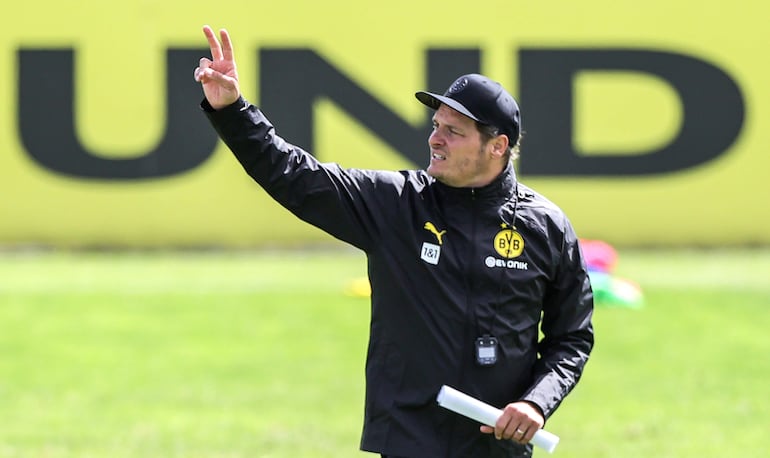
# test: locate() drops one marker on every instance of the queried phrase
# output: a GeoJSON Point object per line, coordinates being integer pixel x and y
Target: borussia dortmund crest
{"type": "Point", "coordinates": [509, 243]}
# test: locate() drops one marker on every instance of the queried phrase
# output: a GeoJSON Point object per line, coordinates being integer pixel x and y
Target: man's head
{"type": "Point", "coordinates": [476, 129]}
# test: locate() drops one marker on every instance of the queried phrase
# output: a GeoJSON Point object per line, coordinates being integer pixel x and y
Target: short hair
{"type": "Point", "coordinates": [489, 132]}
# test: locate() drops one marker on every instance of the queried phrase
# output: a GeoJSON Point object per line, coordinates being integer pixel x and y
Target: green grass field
{"type": "Point", "coordinates": [261, 355]}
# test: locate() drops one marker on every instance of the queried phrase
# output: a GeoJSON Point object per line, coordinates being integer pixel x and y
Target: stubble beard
{"type": "Point", "coordinates": [468, 164]}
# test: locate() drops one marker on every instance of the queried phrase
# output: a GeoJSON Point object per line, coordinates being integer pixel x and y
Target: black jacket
{"type": "Point", "coordinates": [445, 268]}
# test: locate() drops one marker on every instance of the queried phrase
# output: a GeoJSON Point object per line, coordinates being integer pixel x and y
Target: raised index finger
{"type": "Point", "coordinates": [216, 48]}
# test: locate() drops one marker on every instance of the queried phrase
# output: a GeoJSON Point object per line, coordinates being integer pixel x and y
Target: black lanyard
{"type": "Point", "coordinates": [486, 344]}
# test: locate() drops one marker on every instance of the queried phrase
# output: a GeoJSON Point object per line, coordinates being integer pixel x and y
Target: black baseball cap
{"type": "Point", "coordinates": [482, 100]}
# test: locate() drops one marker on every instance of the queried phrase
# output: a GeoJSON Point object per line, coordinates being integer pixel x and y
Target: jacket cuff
{"type": "Point", "coordinates": [536, 406]}
{"type": "Point", "coordinates": [235, 106]}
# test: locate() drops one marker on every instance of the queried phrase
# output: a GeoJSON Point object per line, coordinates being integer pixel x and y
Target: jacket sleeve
{"type": "Point", "coordinates": [345, 203]}
{"type": "Point", "coordinates": [568, 335]}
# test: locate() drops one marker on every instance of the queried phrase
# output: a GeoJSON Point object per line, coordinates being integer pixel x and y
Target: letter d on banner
{"type": "Point", "coordinates": [712, 103]}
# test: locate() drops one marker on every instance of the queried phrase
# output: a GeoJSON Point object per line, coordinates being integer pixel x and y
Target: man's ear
{"type": "Point", "coordinates": [499, 145]}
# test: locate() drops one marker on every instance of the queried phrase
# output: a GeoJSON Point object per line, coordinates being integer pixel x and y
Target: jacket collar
{"type": "Point", "coordinates": [501, 187]}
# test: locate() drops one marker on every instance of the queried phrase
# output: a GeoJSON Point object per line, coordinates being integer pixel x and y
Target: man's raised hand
{"type": "Point", "coordinates": [218, 75]}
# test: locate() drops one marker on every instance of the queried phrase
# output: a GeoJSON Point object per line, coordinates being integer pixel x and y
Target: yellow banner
{"type": "Point", "coordinates": [642, 120]}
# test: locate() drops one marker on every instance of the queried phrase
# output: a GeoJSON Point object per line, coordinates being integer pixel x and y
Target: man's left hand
{"type": "Point", "coordinates": [519, 422]}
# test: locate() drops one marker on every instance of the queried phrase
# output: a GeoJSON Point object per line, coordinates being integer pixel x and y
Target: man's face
{"type": "Point", "coordinates": [457, 156]}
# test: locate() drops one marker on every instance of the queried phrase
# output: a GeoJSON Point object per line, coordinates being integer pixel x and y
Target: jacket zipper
{"type": "Point", "coordinates": [467, 347]}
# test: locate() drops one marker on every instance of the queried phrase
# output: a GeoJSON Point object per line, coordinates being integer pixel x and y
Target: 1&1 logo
{"type": "Point", "coordinates": [509, 243]}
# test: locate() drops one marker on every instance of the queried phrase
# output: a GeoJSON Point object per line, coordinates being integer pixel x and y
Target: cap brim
{"type": "Point", "coordinates": [434, 101]}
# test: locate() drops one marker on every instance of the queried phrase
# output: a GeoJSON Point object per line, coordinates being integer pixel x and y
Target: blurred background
{"type": "Point", "coordinates": [640, 121]}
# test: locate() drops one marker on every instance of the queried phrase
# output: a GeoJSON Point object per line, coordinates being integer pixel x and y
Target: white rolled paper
{"type": "Point", "coordinates": [458, 402]}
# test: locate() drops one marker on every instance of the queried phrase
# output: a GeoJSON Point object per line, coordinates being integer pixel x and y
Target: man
{"type": "Point", "coordinates": [465, 265]}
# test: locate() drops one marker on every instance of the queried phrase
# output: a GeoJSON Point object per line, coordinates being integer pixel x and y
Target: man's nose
{"type": "Point", "coordinates": [435, 138]}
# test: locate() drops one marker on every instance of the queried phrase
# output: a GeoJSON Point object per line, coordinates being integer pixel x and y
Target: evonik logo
{"type": "Point", "coordinates": [493, 262]}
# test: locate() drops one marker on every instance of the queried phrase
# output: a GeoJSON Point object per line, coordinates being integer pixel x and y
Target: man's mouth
{"type": "Point", "coordinates": [438, 157]}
